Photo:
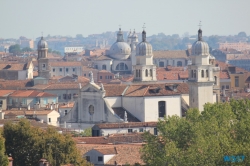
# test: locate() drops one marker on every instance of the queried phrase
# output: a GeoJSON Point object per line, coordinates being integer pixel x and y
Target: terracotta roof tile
{"type": "Point", "coordinates": [125, 125]}
{"type": "Point", "coordinates": [114, 90]}
{"type": "Point", "coordinates": [4, 93]}
{"type": "Point", "coordinates": [31, 93]}
{"type": "Point", "coordinates": [69, 64]}
{"type": "Point", "coordinates": [106, 151]}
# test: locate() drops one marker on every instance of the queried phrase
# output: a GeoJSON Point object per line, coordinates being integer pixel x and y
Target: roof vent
{"type": "Point", "coordinates": [154, 89]}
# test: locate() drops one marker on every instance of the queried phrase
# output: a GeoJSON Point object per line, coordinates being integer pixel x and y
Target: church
{"type": "Point", "coordinates": [144, 99]}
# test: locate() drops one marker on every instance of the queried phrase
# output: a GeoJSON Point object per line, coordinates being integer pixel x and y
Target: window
{"type": "Point", "coordinates": [67, 70]}
{"type": "Point", "coordinates": [194, 73]}
{"type": "Point", "coordinates": [44, 65]}
{"type": "Point", "coordinates": [65, 112]}
{"type": "Point", "coordinates": [146, 72]}
{"type": "Point", "coordinates": [130, 130]}
{"type": "Point", "coordinates": [69, 96]}
{"type": "Point", "coordinates": [161, 109]}
{"type": "Point", "coordinates": [223, 87]}
{"type": "Point", "coordinates": [103, 67]}
{"type": "Point", "coordinates": [49, 119]}
{"type": "Point", "coordinates": [236, 81]}
{"type": "Point", "coordinates": [215, 80]}
{"type": "Point", "coordinates": [202, 73]}
{"type": "Point", "coordinates": [96, 66]}
{"type": "Point", "coordinates": [161, 64]}
{"type": "Point", "coordinates": [64, 96]}
{"type": "Point", "coordinates": [100, 158]}
{"type": "Point", "coordinates": [140, 129]}
{"type": "Point", "coordinates": [100, 77]}
{"type": "Point", "coordinates": [54, 69]}
{"type": "Point", "coordinates": [227, 86]}
{"type": "Point", "coordinates": [60, 69]}
{"type": "Point", "coordinates": [74, 69]}
{"type": "Point", "coordinates": [179, 63]}
{"type": "Point", "coordinates": [121, 66]}
{"type": "Point", "coordinates": [1, 103]}
{"type": "Point", "coordinates": [206, 73]}
{"type": "Point", "coordinates": [139, 73]}
{"type": "Point", "coordinates": [45, 101]}
{"type": "Point", "coordinates": [88, 158]}
{"type": "Point", "coordinates": [151, 73]}
{"type": "Point", "coordinates": [59, 97]}
{"type": "Point", "coordinates": [155, 131]}
{"type": "Point", "coordinates": [84, 75]}
{"type": "Point", "coordinates": [91, 109]}
{"type": "Point", "coordinates": [110, 77]}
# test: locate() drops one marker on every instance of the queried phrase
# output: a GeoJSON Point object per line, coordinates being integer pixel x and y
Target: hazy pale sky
{"type": "Point", "coordinates": [70, 17]}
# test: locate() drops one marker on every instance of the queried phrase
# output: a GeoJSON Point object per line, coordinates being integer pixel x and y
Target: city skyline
{"type": "Point", "coordinates": [30, 18]}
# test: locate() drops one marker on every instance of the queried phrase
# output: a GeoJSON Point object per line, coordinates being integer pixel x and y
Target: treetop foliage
{"type": "Point", "coordinates": [204, 138]}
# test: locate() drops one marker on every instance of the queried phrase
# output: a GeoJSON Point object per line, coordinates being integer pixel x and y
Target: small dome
{"type": "Point", "coordinates": [200, 47]}
{"type": "Point", "coordinates": [120, 50]}
{"type": "Point", "coordinates": [42, 44]}
{"type": "Point", "coordinates": [134, 34]}
{"type": "Point", "coordinates": [144, 48]}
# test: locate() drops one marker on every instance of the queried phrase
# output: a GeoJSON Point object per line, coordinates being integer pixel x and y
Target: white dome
{"type": "Point", "coordinates": [200, 47]}
{"type": "Point", "coordinates": [120, 50]}
{"type": "Point", "coordinates": [144, 48]}
{"type": "Point", "coordinates": [42, 44]}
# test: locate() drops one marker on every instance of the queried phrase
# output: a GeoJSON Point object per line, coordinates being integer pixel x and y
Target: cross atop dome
{"type": "Point", "coordinates": [200, 25]}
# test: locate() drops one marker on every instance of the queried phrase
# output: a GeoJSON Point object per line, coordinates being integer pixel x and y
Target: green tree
{"type": "Point", "coordinates": [3, 158]}
{"type": "Point", "coordinates": [204, 138]}
{"type": "Point", "coordinates": [29, 144]}
{"type": "Point", "coordinates": [87, 132]}
{"type": "Point", "coordinates": [15, 49]}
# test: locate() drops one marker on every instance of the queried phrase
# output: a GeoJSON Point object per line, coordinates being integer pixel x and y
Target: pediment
{"type": "Point", "coordinates": [90, 88]}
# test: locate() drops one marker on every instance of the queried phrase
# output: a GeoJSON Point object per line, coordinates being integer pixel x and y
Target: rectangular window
{"type": "Point", "coordinates": [88, 158]}
{"type": "Point", "coordinates": [54, 69]}
{"type": "Point", "coordinates": [100, 158]}
{"type": "Point", "coordinates": [223, 87]}
{"type": "Point", "coordinates": [59, 97]}
{"type": "Point", "coordinates": [1, 103]}
{"type": "Point", "coordinates": [60, 69]}
{"type": "Point", "coordinates": [140, 129]}
{"type": "Point", "coordinates": [45, 101]}
{"type": "Point", "coordinates": [67, 70]}
{"type": "Point", "coordinates": [110, 77]}
{"type": "Point", "coordinates": [44, 65]}
{"type": "Point", "coordinates": [69, 96]}
{"type": "Point", "coordinates": [155, 131]}
{"type": "Point", "coordinates": [130, 130]}
{"type": "Point", "coordinates": [64, 96]}
{"type": "Point", "coordinates": [49, 119]}
{"type": "Point", "coordinates": [74, 69]}
{"type": "Point", "coordinates": [227, 86]}
{"type": "Point", "coordinates": [236, 81]}
{"type": "Point", "coordinates": [84, 75]}
{"type": "Point", "coordinates": [100, 77]}
{"type": "Point", "coordinates": [65, 112]}
{"type": "Point", "coordinates": [161, 109]}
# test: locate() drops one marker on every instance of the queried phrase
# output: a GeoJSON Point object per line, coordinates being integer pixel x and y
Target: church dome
{"type": "Point", "coordinates": [42, 44]}
{"type": "Point", "coordinates": [120, 49]}
{"type": "Point", "coordinates": [144, 48]}
{"type": "Point", "coordinates": [200, 47]}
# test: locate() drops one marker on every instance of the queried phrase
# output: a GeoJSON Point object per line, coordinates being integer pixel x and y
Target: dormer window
{"type": "Point", "coordinates": [100, 158]}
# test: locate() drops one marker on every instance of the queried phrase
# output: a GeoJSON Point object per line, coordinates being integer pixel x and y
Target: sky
{"type": "Point", "coordinates": [30, 18]}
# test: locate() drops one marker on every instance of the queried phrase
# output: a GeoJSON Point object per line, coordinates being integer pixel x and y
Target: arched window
{"type": "Point", "coordinates": [151, 73]}
{"type": "Point", "coordinates": [194, 73]}
{"type": "Point", "coordinates": [206, 73]}
{"type": "Point", "coordinates": [104, 67]}
{"type": "Point", "coordinates": [161, 109]}
{"type": "Point", "coordinates": [91, 110]}
{"type": "Point", "coordinates": [139, 73]}
{"type": "Point", "coordinates": [161, 64]}
{"type": "Point", "coordinates": [215, 80]}
{"type": "Point", "coordinates": [179, 63]}
{"type": "Point", "coordinates": [202, 73]}
{"type": "Point", "coordinates": [146, 72]}
{"type": "Point", "coordinates": [121, 66]}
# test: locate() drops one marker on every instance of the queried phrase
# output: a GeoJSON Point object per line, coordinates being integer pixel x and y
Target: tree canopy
{"type": "Point", "coordinates": [29, 144]}
{"type": "Point", "coordinates": [15, 49]}
{"type": "Point", "coordinates": [3, 158]}
{"type": "Point", "coordinates": [204, 138]}
{"type": "Point", "coordinates": [26, 49]}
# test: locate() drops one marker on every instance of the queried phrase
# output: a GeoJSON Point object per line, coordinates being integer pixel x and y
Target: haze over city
{"type": "Point", "coordinates": [63, 17]}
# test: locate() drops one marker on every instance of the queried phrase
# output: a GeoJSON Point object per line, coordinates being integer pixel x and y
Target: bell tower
{"type": "Point", "coordinates": [43, 61]}
{"type": "Point", "coordinates": [201, 78]}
